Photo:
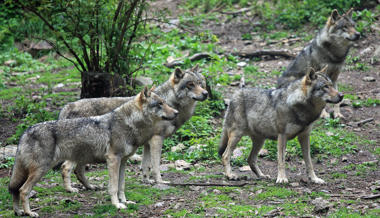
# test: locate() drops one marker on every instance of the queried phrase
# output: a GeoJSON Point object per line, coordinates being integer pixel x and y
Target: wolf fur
{"type": "Point", "coordinates": [330, 47]}
{"type": "Point", "coordinates": [85, 108]}
{"type": "Point", "coordinates": [279, 114]}
{"type": "Point", "coordinates": [181, 91]}
{"type": "Point", "coordinates": [113, 137]}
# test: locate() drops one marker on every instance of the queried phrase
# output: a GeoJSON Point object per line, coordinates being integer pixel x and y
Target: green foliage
{"type": "Point", "coordinates": [7, 162]}
{"type": "Point", "coordinates": [34, 113]}
{"type": "Point", "coordinates": [275, 192]}
{"type": "Point", "coordinates": [357, 103]}
{"type": "Point", "coordinates": [292, 14]}
{"type": "Point", "coordinates": [365, 19]}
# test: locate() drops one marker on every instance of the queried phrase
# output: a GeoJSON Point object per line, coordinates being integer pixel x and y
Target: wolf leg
{"type": "Point", "coordinates": [113, 162]}
{"type": "Point", "coordinates": [324, 114]}
{"type": "Point", "coordinates": [155, 154]}
{"type": "Point", "coordinates": [16, 205]}
{"type": "Point", "coordinates": [336, 107]}
{"type": "Point", "coordinates": [67, 167]}
{"type": "Point", "coordinates": [281, 151]}
{"type": "Point", "coordinates": [146, 164]}
{"type": "Point", "coordinates": [257, 144]}
{"type": "Point", "coordinates": [337, 113]}
{"type": "Point", "coordinates": [304, 140]}
{"type": "Point", "coordinates": [233, 139]}
{"type": "Point", "coordinates": [79, 172]}
{"type": "Point", "coordinates": [25, 189]}
{"type": "Point", "coordinates": [121, 183]}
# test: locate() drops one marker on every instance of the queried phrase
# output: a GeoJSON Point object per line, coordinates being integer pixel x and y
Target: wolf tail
{"type": "Point", "coordinates": [223, 141]}
{"type": "Point", "coordinates": [18, 178]}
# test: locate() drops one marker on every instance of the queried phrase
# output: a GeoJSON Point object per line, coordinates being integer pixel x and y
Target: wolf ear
{"type": "Point", "coordinates": [333, 18]}
{"type": "Point", "coordinates": [310, 76]}
{"type": "Point", "coordinates": [178, 75]}
{"type": "Point", "coordinates": [195, 68]}
{"type": "Point", "coordinates": [349, 12]}
{"type": "Point", "coordinates": [144, 94]}
{"type": "Point", "coordinates": [142, 97]}
{"type": "Point", "coordinates": [153, 88]}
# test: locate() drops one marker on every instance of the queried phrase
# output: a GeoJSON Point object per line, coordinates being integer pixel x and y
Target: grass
{"type": "Point", "coordinates": [329, 138]}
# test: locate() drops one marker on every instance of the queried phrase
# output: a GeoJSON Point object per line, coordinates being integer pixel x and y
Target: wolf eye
{"type": "Point", "coordinates": [190, 85]}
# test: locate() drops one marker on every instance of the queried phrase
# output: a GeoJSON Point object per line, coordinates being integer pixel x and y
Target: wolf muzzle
{"type": "Point", "coordinates": [337, 99]}
{"type": "Point", "coordinates": [354, 37]}
{"type": "Point", "coordinates": [202, 97]}
{"type": "Point", "coordinates": [175, 113]}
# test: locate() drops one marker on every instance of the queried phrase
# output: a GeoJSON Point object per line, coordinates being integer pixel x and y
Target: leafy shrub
{"type": "Point", "coordinates": [34, 113]}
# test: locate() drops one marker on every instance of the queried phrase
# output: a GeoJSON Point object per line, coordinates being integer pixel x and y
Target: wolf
{"type": "Point", "coordinates": [114, 136]}
{"type": "Point", "coordinates": [182, 91]}
{"type": "Point", "coordinates": [278, 114]}
{"type": "Point", "coordinates": [85, 108]}
{"type": "Point", "coordinates": [330, 47]}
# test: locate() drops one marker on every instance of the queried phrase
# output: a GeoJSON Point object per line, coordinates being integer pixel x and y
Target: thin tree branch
{"type": "Point", "coordinates": [136, 23]}
{"type": "Point", "coordinates": [83, 68]}
{"type": "Point", "coordinates": [124, 29]}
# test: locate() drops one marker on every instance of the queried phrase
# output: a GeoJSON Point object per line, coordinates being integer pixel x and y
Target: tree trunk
{"type": "Point", "coordinates": [101, 84]}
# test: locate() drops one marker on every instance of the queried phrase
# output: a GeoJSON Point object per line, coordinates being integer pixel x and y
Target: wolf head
{"type": "Point", "coordinates": [154, 106]}
{"type": "Point", "coordinates": [189, 84]}
{"type": "Point", "coordinates": [342, 28]}
{"type": "Point", "coordinates": [318, 86]}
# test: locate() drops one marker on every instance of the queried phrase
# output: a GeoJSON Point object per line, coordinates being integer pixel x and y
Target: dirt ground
{"type": "Point", "coordinates": [353, 187]}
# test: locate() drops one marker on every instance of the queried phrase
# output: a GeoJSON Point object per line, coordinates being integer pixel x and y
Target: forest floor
{"type": "Point", "coordinates": [352, 178]}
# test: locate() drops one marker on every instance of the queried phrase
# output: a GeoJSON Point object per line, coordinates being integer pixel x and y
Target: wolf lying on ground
{"type": "Point", "coordinates": [279, 114]}
{"type": "Point", "coordinates": [181, 91]}
{"type": "Point", "coordinates": [114, 136]}
{"type": "Point", "coordinates": [330, 47]}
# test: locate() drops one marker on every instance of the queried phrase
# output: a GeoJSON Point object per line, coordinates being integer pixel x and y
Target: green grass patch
{"type": "Point", "coordinates": [275, 192]}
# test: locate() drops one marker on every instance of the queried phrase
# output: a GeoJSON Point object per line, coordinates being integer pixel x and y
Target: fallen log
{"type": "Point", "coordinates": [258, 53]}
{"type": "Point", "coordinates": [211, 184]}
{"type": "Point", "coordinates": [195, 57]}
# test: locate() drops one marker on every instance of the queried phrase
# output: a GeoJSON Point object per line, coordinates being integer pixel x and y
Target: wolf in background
{"type": "Point", "coordinates": [330, 47]}
{"type": "Point", "coordinates": [181, 91]}
{"type": "Point", "coordinates": [114, 136]}
{"type": "Point", "coordinates": [279, 114]}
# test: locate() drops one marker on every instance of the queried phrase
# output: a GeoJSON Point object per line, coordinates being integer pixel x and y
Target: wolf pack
{"type": "Point", "coordinates": [109, 130]}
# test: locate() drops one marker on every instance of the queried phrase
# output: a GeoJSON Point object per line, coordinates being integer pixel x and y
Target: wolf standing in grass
{"type": "Point", "coordinates": [114, 136]}
{"type": "Point", "coordinates": [181, 91]}
{"type": "Point", "coordinates": [330, 47]}
{"type": "Point", "coordinates": [279, 114]}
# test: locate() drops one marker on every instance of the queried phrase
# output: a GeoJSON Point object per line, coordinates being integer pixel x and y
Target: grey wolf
{"type": "Point", "coordinates": [280, 114]}
{"type": "Point", "coordinates": [181, 91]}
{"type": "Point", "coordinates": [114, 136]}
{"type": "Point", "coordinates": [85, 108]}
{"type": "Point", "coordinates": [330, 47]}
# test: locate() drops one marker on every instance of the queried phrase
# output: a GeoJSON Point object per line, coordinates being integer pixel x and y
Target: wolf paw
{"type": "Point", "coordinates": [19, 212]}
{"type": "Point", "coordinates": [148, 181]}
{"type": "Point", "coordinates": [92, 187]}
{"type": "Point", "coordinates": [120, 206]}
{"type": "Point", "coordinates": [318, 180]}
{"type": "Point", "coordinates": [282, 180]}
{"type": "Point", "coordinates": [122, 199]}
{"type": "Point", "coordinates": [33, 214]}
{"type": "Point", "coordinates": [325, 115]}
{"type": "Point", "coordinates": [72, 190]}
{"type": "Point", "coordinates": [162, 181]}
{"type": "Point", "coordinates": [338, 115]}
{"type": "Point", "coordinates": [233, 176]}
{"type": "Point", "coordinates": [264, 176]}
